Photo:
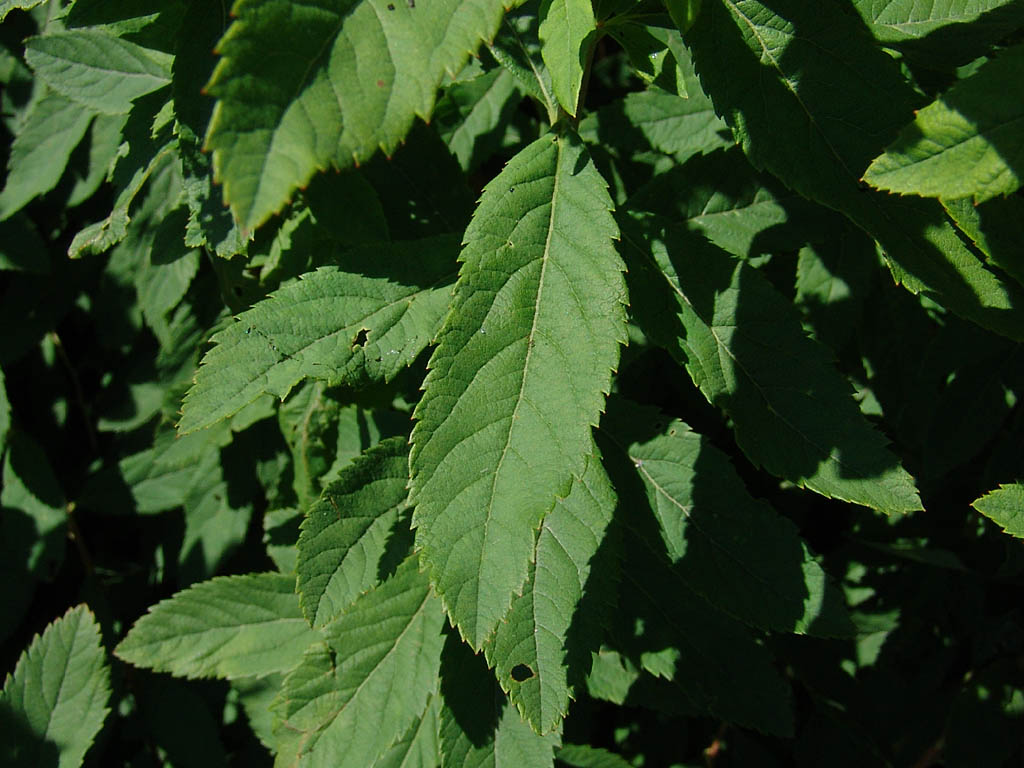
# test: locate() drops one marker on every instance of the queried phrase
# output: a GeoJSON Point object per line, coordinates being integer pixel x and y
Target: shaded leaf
{"type": "Point", "coordinates": [356, 77]}
{"type": "Point", "coordinates": [30, 489]}
{"type": "Point", "coordinates": [743, 346]}
{"type": "Point", "coordinates": [737, 208]}
{"type": "Point", "coordinates": [532, 651]}
{"type": "Point", "coordinates": [731, 549]}
{"type": "Point", "coordinates": [368, 317]}
{"type": "Point", "coordinates": [894, 20]}
{"type": "Point", "coordinates": [967, 143]}
{"type": "Point", "coordinates": [478, 112]}
{"type": "Point", "coordinates": [518, 377]}
{"type": "Point", "coordinates": [51, 130]}
{"type": "Point", "coordinates": [348, 535]}
{"type": "Point", "coordinates": [54, 704]}
{"type": "Point", "coordinates": [228, 627]}
{"type": "Point", "coordinates": [585, 756]}
{"type": "Point", "coordinates": [352, 697]}
{"type": "Point", "coordinates": [479, 726]}
{"type": "Point", "coordinates": [831, 85]}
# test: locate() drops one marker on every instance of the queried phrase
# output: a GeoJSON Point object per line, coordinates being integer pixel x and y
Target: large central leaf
{"type": "Point", "coordinates": [518, 378]}
{"type": "Point", "coordinates": [305, 85]}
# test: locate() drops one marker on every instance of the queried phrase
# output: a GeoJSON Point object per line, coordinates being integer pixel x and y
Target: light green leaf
{"type": "Point", "coordinates": [349, 535]}
{"type": "Point", "coordinates": [677, 126]}
{"type": "Point", "coordinates": [518, 377]}
{"type": "Point", "coordinates": [96, 69]}
{"type": "Point", "coordinates": [532, 651]}
{"type": "Point", "coordinates": [566, 31]}
{"type": "Point", "coordinates": [479, 725]}
{"type": "Point", "coordinates": [420, 746]}
{"type": "Point", "coordinates": [895, 20]}
{"type": "Point", "coordinates": [833, 87]}
{"type": "Point", "coordinates": [1005, 507]}
{"type": "Point", "coordinates": [53, 127]}
{"type": "Point", "coordinates": [6, 6]}
{"type": "Point", "coordinates": [743, 346]}
{"type": "Point", "coordinates": [967, 143]}
{"type": "Point", "coordinates": [228, 627]}
{"type": "Point", "coordinates": [54, 705]}
{"type": "Point", "coordinates": [369, 317]}
{"type": "Point", "coordinates": [355, 77]}
{"type": "Point", "coordinates": [731, 549]}
{"type": "Point", "coordinates": [352, 697]}
{"type": "Point", "coordinates": [996, 227]}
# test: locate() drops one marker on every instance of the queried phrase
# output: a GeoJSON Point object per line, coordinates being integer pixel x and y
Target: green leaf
{"type": "Point", "coordinates": [355, 77]}
{"type": "Point", "coordinates": [477, 112]}
{"type": "Point", "coordinates": [517, 48]}
{"type": "Point", "coordinates": [5, 412]}
{"type": "Point", "coordinates": [148, 153]}
{"type": "Point", "coordinates": [53, 127]}
{"type": "Point", "coordinates": [420, 746]}
{"type": "Point", "coordinates": [21, 247]}
{"type": "Point", "coordinates": [55, 703]}
{"type": "Point", "coordinates": [31, 490]}
{"type": "Point", "coordinates": [348, 536]}
{"type": "Point", "coordinates": [103, 141]}
{"type": "Point", "coordinates": [831, 85]}
{"type": "Point", "coordinates": [351, 698]}
{"type": "Point", "coordinates": [677, 126]}
{"type": "Point", "coordinates": [518, 377]}
{"type": "Point", "coordinates": [309, 422]}
{"type": "Point", "coordinates": [996, 227]}
{"type": "Point", "coordinates": [1004, 506]}
{"type": "Point", "coordinates": [228, 627]}
{"type": "Point", "coordinates": [369, 317]}
{"type": "Point", "coordinates": [967, 143]}
{"type": "Point", "coordinates": [96, 69]}
{"type": "Point", "coordinates": [895, 20]}
{"type": "Point", "coordinates": [743, 346]}
{"type": "Point", "coordinates": [711, 660]}
{"type": "Point", "coordinates": [533, 651]}
{"type": "Point", "coordinates": [6, 6]}
{"type": "Point", "coordinates": [585, 756]}
{"type": "Point", "coordinates": [731, 549]}
{"type": "Point", "coordinates": [833, 281]}
{"type": "Point", "coordinates": [478, 724]}
{"type": "Point", "coordinates": [566, 31]}
{"type": "Point", "coordinates": [745, 212]}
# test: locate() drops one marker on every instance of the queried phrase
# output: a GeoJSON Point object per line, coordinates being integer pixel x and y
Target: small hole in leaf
{"type": "Point", "coordinates": [521, 673]}
{"type": "Point", "coordinates": [360, 339]}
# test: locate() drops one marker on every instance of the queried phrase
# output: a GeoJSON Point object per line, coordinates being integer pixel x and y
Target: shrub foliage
{"type": "Point", "coordinates": [447, 383]}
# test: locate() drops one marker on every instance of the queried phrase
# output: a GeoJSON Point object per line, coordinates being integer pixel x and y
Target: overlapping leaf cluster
{"type": "Point", "coordinates": [467, 375]}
